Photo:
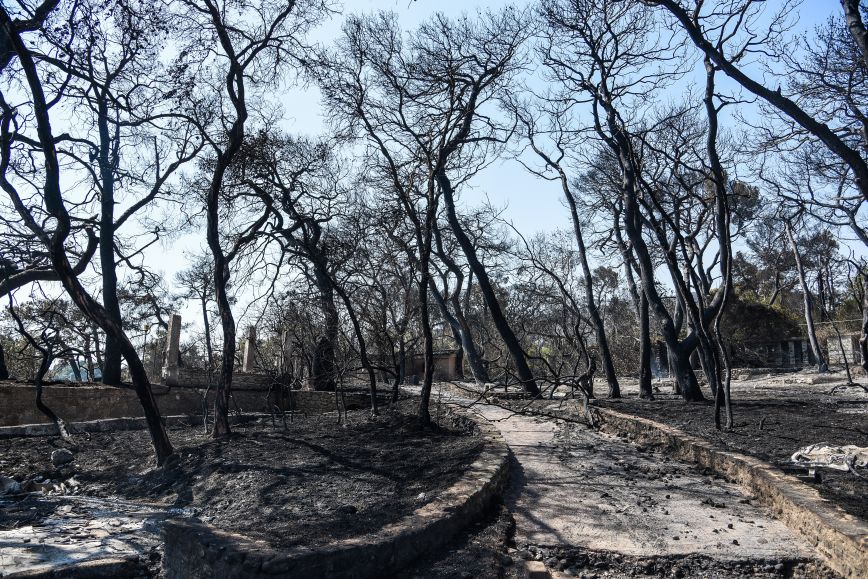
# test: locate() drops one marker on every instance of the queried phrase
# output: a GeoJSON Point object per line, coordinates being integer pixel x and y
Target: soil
{"type": "Point", "coordinates": [574, 562]}
{"type": "Point", "coordinates": [309, 484]}
{"type": "Point", "coordinates": [772, 430]}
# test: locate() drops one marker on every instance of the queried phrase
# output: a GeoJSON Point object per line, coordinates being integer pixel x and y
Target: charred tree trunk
{"type": "Point", "coordinates": [590, 299]}
{"type": "Point", "coordinates": [645, 389]}
{"type": "Point", "coordinates": [497, 316]}
{"type": "Point", "coordinates": [363, 349]}
{"type": "Point", "coordinates": [457, 321]}
{"type": "Point", "coordinates": [324, 355]}
{"type": "Point", "coordinates": [685, 377]}
{"type": "Point", "coordinates": [471, 353]}
{"type": "Point", "coordinates": [822, 366]}
{"type": "Point", "coordinates": [399, 370]}
{"type": "Point", "coordinates": [620, 144]}
{"type": "Point", "coordinates": [107, 157]}
{"type": "Point", "coordinates": [640, 302]}
{"type": "Point", "coordinates": [424, 414]}
{"type": "Point", "coordinates": [209, 348]}
{"type": "Point", "coordinates": [75, 368]}
{"type": "Point", "coordinates": [44, 365]}
{"type": "Point", "coordinates": [453, 325]}
{"type": "Point", "coordinates": [4, 371]}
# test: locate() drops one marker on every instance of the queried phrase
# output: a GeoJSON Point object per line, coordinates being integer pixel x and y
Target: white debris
{"type": "Point", "coordinates": [825, 455]}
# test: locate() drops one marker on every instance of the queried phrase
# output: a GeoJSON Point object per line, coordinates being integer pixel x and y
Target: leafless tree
{"type": "Point", "coordinates": [420, 106]}
{"type": "Point", "coordinates": [237, 51]}
{"type": "Point", "coordinates": [51, 201]}
{"type": "Point", "coordinates": [125, 138]}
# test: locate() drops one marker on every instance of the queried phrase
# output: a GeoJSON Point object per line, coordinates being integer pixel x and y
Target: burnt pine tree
{"type": "Point", "coordinates": [55, 240]}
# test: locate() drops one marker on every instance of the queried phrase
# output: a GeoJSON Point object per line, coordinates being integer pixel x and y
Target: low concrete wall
{"type": "Point", "coordinates": [114, 425]}
{"type": "Point", "coordinates": [93, 402]}
{"type": "Point", "coordinates": [195, 550]}
{"type": "Point", "coordinates": [840, 538]}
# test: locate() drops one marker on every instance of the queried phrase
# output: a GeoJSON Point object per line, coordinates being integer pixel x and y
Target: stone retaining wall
{"type": "Point", "coordinates": [191, 378]}
{"type": "Point", "coordinates": [195, 550]}
{"type": "Point", "coordinates": [93, 402]}
{"type": "Point", "coordinates": [839, 537]}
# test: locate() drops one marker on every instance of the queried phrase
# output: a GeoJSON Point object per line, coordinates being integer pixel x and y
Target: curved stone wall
{"type": "Point", "coordinates": [195, 550]}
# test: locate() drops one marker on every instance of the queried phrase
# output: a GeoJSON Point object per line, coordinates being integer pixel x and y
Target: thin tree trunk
{"type": "Point", "coordinates": [4, 371]}
{"type": "Point", "coordinates": [111, 371]}
{"type": "Point", "coordinates": [41, 405]}
{"type": "Point", "coordinates": [620, 144]}
{"type": "Point", "coordinates": [88, 358]}
{"type": "Point", "coordinates": [76, 370]}
{"type": "Point", "coordinates": [399, 371]}
{"type": "Point", "coordinates": [227, 321]}
{"type": "Point", "coordinates": [590, 298]}
{"type": "Point", "coordinates": [424, 413]}
{"type": "Point", "coordinates": [645, 389]}
{"type": "Point", "coordinates": [822, 366]}
{"type": "Point", "coordinates": [640, 302]}
{"type": "Point", "coordinates": [324, 354]}
{"type": "Point", "coordinates": [457, 321]}
{"type": "Point", "coordinates": [363, 350]}
{"type": "Point", "coordinates": [497, 316]}
{"type": "Point", "coordinates": [209, 348]}
{"type": "Point", "coordinates": [97, 350]}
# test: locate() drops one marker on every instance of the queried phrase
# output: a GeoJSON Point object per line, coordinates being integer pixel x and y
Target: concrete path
{"type": "Point", "coordinates": [573, 486]}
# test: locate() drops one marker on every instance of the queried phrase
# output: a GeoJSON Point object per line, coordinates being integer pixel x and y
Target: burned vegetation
{"type": "Point", "coordinates": [291, 288]}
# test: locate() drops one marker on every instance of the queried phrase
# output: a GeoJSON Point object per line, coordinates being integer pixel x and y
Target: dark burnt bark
{"type": "Point", "coordinates": [221, 279]}
{"type": "Point", "coordinates": [44, 365]}
{"type": "Point", "coordinates": [645, 389]}
{"type": "Point", "coordinates": [640, 303]}
{"type": "Point", "coordinates": [207, 325]}
{"type": "Point", "coordinates": [808, 301]}
{"type": "Point", "coordinates": [107, 158]}
{"type": "Point", "coordinates": [424, 414]}
{"type": "Point", "coordinates": [497, 316]}
{"type": "Point", "coordinates": [363, 348]}
{"type": "Point", "coordinates": [400, 369]}
{"type": "Point", "coordinates": [679, 354]}
{"type": "Point", "coordinates": [590, 298]}
{"type": "Point", "coordinates": [467, 345]}
{"type": "Point", "coordinates": [4, 371]}
{"type": "Point", "coordinates": [324, 378]}
{"type": "Point", "coordinates": [720, 382]}
{"type": "Point", "coordinates": [54, 205]}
